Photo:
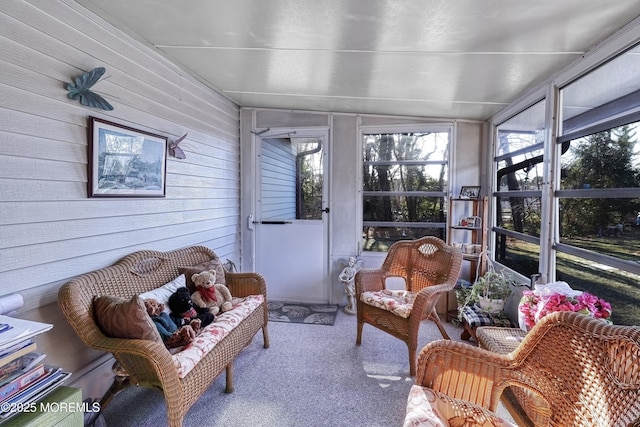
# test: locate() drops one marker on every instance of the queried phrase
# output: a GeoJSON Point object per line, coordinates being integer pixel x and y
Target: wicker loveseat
{"type": "Point", "coordinates": [149, 363]}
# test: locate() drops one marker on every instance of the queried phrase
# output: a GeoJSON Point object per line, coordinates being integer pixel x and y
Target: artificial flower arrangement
{"type": "Point", "coordinates": [559, 296]}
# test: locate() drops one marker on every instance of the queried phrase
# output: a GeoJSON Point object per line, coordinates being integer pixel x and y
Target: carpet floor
{"type": "Point", "coordinates": [315, 314]}
{"type": "Point", "coordinates": [309, 376]}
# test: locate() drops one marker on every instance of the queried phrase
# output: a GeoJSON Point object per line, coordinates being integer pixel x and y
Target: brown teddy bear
{"type": "Point", "coordinates": [172, 336]}
{"type": "Point", "coordinates": [209, 294]}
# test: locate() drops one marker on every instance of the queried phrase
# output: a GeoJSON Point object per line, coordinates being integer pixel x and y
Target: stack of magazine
{"type": "Point", "coordinates": [24, 378]}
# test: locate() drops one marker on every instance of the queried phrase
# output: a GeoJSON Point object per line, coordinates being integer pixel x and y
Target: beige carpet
{"type": "Point", "coordinates": [310, 376]}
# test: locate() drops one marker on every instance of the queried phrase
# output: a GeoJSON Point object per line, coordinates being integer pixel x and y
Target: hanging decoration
{"type": "Point", "coordinates": [176, 151]}
{"type": "Point", "coordinates": [79, 89]}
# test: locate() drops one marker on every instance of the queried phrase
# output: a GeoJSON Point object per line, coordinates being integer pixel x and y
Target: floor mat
{"type": "Point", "coordinates": [295, 312]}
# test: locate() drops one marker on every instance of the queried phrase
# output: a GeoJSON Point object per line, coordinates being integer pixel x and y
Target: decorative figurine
{"type": "Point", "coordinates": [79, 89]}
{"type": "Point", "coordinates": [347, 277]}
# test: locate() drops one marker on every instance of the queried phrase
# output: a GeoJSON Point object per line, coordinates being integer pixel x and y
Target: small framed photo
{"type": "Point", "coordinates": [470, 192]}
{"type": "Point", "coordinates": [125, 162]}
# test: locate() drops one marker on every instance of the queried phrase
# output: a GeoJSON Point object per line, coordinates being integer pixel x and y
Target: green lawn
{"type": "Point", "coordinates": [619, 288]}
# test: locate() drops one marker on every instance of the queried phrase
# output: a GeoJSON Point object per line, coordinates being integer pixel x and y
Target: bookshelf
{"type": "Point", "coordinates": [469, 229]}
{"type": "Point", "coordinates": [25, 379]}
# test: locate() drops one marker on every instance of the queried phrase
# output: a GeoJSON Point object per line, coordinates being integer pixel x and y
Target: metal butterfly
{"type": "Point", "coordinates": [80, 89]}
{"type": "Point", "coordinates": [176, 151]}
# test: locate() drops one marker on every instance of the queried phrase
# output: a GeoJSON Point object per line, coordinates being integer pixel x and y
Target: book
{"type": "Point", "coordinates": [14, 347]}
{"type": "Point", "coordinates": [10, 369]}
{"type": "Point", "coordinates": [21, 382]}
{"type": "Point", "coordinates": [18, 366]}
{"type": "Point", "coordinates": [20, 330]}
{"type": "Point", "coordinates": [7, 357]}
{"type": "Point", "coordinates": [30, 360]}
{"type": "Point", "coordinates": [54, 377]}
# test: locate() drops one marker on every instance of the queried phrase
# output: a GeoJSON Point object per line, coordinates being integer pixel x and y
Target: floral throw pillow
{"type": "Point", "coordinates": [426, 407]}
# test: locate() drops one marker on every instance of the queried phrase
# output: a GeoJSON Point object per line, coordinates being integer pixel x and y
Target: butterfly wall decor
{"type": "Point", "coordinates": [176, 151]}
{"type": "Point", "coordinates": [80, 89]}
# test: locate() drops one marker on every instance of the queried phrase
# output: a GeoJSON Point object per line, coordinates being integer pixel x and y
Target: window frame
{"type": "Point", "coordinates": [440, 127]}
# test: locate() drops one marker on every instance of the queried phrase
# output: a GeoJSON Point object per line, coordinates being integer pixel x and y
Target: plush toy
{"type": "Point", "coordinates": [183, 311]}
{"type": "Point", "coordinates": [172, 336]}
{"type": "Point", "coordinates": [209, 294]}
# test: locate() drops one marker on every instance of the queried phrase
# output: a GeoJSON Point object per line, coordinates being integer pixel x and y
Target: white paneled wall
{"type": "Point", "coordinates": [49, 229]}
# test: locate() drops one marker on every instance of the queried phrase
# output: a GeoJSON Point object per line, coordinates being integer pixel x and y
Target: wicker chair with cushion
{"type": "Point", "coordinates": [429, 268]}
{"type": "Point", "coordinates": [586, 370]}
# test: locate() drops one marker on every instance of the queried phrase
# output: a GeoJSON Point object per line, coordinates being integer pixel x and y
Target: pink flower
{"type": "Point", "coordinates": [533, 307]}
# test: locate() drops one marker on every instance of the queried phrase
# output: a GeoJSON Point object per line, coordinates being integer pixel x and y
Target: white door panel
{"type": "Point", "coordinates": [290, 258]}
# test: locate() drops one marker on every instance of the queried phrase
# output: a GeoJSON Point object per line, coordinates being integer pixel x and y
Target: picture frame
{"type": "Point", "coordinates": [124, 161]}
{"type": "Point", "coordinates": [470, 192]}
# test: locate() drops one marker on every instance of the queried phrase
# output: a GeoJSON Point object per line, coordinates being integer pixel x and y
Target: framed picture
{"type": "Point", "coordinates": [125, 162]}
{"type": "Point", "coordinates": [468, 192]}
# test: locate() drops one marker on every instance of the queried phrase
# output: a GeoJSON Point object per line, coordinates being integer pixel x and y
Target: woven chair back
{"type": "Point", "coordinates": [587, 370]}
{"type": "Point", "coordinates": [421, 263]}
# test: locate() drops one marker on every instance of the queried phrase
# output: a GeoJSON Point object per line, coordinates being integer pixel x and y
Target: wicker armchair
{"type": "Point", "coordinates": [587, 371]}
{"type": "Point", "coordinates": [430, 268]}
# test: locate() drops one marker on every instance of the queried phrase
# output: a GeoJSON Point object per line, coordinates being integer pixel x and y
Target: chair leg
{"type": "Point", "coordinates": [229, 378]}
{"type": "Point", "coordinates": [359, 336]}
{"type": "Point", "coordinates": [265, 337]}
{"type": "Point", "coordinates": [434, 316]}
{"type": "Point", "coordinates": [412, 362]}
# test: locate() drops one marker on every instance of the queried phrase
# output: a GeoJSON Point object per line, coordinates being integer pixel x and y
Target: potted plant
{"type": "Point", "coordinates": [488, 292]}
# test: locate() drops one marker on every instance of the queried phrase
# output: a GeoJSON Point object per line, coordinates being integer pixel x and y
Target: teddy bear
{"type": "Point", "coordinates": [184, 312]}
{"type": "Point", "coordinates": [209, 294]}
{"type": "Point", "coordinates": [171, 335]}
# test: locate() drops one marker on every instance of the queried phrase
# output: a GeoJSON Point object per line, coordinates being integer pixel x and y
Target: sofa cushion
{"type": "Point", "coordinates": [163, 293]}
{"type": "Point", "coordinates": [426, 407]}
{"type": "Point", "coordinates": [213, 264]}
{"type": "Point", "coordinates": [191, 354]}
{"type": "Point", "coordinates": [121, 318]}
{"type": "Point", "coordinates": [399, 302]}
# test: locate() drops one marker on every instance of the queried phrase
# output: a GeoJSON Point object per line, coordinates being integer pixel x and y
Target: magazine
{"type": "Point", "coordinates": [18, 330]}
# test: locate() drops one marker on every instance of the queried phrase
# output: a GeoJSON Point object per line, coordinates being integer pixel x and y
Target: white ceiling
{"type": "Point", "coordinates": [464, 59]}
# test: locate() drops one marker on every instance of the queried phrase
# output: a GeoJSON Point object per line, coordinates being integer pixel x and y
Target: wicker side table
{"type": "Point", "coordinates": [526, 408]}
{"type": "Point", "coordinates": [474, 318]}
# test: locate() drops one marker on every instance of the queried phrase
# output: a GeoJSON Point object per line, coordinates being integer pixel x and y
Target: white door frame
{"type": "Point", "coordinates": [254, 218]}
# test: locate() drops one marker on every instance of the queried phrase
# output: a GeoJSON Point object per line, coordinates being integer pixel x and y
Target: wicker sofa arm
{"type": "Point", "coordinates": [245, 284]}
{"type": "Point", "coordinates": [464, 372]}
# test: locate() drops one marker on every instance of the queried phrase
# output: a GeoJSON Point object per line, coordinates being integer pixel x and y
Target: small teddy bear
{"type": "Point", "coordinates": [184, 312]}
{"type": "Point", "coordinates": [209, 294]}
{"type": "Point", "coordinates": [171, 335]}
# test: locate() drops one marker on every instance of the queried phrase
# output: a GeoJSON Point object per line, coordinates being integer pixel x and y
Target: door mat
{"type": "Point", "coordinates": [296, 312]}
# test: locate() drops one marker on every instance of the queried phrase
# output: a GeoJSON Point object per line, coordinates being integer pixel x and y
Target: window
{"type": "Point", "coordinates": [570, 206]}
{"type": "Point", "coordinates": [518, 189]}
{"type": "Point", "coordinates": [598, 192]}
{"type": "Point", "coordinates": [404, 183]}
